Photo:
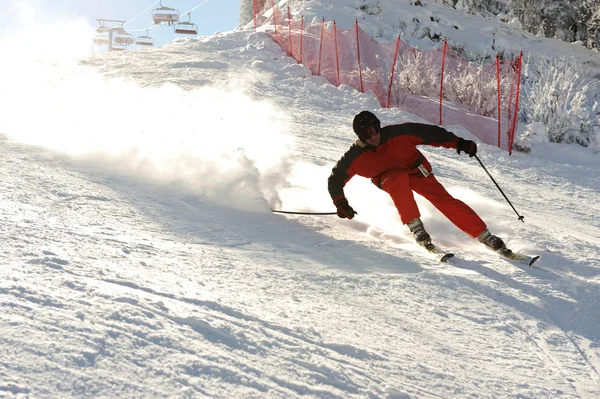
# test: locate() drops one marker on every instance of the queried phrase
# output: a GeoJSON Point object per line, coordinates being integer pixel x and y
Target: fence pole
{"type": "Point", "coordinates": [274, 19]}
{"type": "Point", "coordinates": [362, 88]}
{"type": "Point", "coordinates": [337, 61]}
{"type": "Point", "coordinates": [254, 12]}
{"type": "Point", "coordinates": [498, 89]}
{"type": "Point", "coordinates": [301, 36]}
{"type": "Point", "coordinates": [321, 46]}
{"type": "Point", "coordinates": [290, 32]}
{"type": "Point", "coordinates": [392, 74]}
{"type": "Point", "coordinates": [511, 139]}
{"type": "Point", "coordinates": [514, 65]}
{"type": "Point", "coordinates": [511, 95]}
{"type": "Point", "coordinates": [442, 78]}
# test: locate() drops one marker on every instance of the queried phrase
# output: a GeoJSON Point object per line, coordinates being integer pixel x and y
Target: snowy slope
{"type": "Point", "coordinates": [140, 257]}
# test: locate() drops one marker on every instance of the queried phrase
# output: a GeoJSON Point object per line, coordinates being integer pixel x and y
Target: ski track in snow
{"type": "Point", "coordinates": [113, 286]}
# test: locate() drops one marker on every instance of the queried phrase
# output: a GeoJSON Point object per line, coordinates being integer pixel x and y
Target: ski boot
{"type": "Point", "coordinates": [420, 235]}
{"type": "Point", "coordinates": [494, 243]}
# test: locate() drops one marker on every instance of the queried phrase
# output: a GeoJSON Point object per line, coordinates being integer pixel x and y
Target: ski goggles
{"type": "Point", "coordinates": [369, 132]}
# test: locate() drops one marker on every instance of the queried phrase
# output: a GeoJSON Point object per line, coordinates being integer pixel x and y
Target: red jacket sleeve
{"type": "Point", "coordinates": [427, 134]}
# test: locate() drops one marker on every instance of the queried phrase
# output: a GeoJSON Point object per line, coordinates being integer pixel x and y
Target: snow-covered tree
{"type": "Point", "coordinates": [247, 9]}
{"type": "Point", "coordinates": [246, 12]}
{"type": "Point", "coordinates": [567, 20]}
{"type": "Point", "coordinates": [593, 30]}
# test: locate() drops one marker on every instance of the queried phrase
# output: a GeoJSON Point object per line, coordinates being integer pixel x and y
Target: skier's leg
{"type": "Point", "coordinates": [397, 184]}
{"type": "Point", "coordinates": [457, 211]}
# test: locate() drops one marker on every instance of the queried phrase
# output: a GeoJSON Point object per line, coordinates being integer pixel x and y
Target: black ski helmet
{"type": "Point", "coordinates": [364, 120]}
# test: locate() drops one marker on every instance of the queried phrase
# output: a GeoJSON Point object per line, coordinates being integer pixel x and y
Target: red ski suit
{"type": "Point", "coordinates": [399, 168]}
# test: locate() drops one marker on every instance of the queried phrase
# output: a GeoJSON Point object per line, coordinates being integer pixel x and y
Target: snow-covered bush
{"type": "Point", "coordinates": [419, 73]}
{"type": "Point", "coordinates": [483, 7]}
{"type": "Point", "coordinates": [595, 142]}
{"type": "Point", "coordinates": [370, 7]}
{"type": "Point", "coordinates": [374, 80]}
{"type": "Point", "coordinates": [534, 133]}
{"type": "Point", "coordinates": [416, 73]}
{"type": "Point", "coordinates": [469, 85]}
{"type": "Point", "coordinates": [560, 94]}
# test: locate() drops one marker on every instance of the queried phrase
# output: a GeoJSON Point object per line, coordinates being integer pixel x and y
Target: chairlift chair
{"type": "Point", "coordinates": [123, 38]}
{"type": "Point", "coordinates": [144, 40]}
{"type": "Point", "coordinates": [186, 28]}
{"type": "Point", "coordinates": [118, 45]}
{"type": "Point", "coordinates": [100, 39]}
{"type": "Point", "coordinates": [165, 14]}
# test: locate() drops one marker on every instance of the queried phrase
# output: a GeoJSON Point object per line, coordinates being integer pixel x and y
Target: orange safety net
{"type": "Point", "coordinates": [437, 85]}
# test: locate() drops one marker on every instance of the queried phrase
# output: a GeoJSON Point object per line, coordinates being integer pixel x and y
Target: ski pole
{"type": "Point", "coordinates": [304, 213]}
{"type": "Point", "coordinates": [507, 200]}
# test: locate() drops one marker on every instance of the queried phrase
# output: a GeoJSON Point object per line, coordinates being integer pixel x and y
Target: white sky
{"type": "Point", "coordinates": [139, 257]}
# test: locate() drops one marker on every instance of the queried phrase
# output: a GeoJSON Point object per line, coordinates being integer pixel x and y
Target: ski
{"type": "Point", "coordinates": [519, 258]}
{"type": "Point", "coordinates": [442, 256]}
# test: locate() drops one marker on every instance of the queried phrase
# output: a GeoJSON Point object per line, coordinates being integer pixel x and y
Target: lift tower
{"type": "Point", "coordinates": [110, 26]}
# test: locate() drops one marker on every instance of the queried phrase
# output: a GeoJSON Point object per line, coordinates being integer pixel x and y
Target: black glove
{"type": "Point", "coordinates": [468, 146]}
{"type": "Point", "coordinates": [344, 210]}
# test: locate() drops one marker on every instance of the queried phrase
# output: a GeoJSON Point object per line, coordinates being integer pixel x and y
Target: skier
{"type": "Point", "coordinates": [389, 156]}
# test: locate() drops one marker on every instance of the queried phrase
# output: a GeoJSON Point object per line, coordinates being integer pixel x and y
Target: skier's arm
{"type": "Point", "coordinates": [340, 174]}
{"type": "Point", "coordinates": [433, 135]}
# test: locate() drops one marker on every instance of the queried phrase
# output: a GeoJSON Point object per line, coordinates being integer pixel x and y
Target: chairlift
{"type": "Point", "coordinates": [165, 14]}
{"type": "Point", "coordinates": [124, 38]}
{"type": "Point", "coordinates": [144, 40]}
{"type": "Point", "coordinates": [100, 40]}
{"type": "Point", "coordinates": [186, 28]}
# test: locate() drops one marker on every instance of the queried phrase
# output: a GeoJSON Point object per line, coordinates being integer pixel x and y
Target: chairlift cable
{"type": "Point", "coordinates": [149, 7]}
{"type": "Point", "coordinates": [143, 29]}
{"type": "Point", "coordinates": [185, 13]}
